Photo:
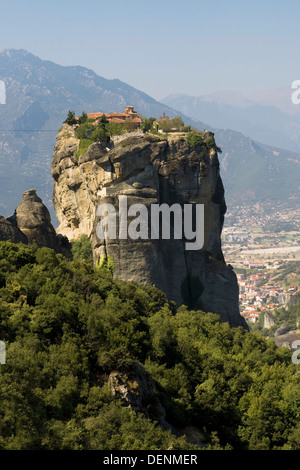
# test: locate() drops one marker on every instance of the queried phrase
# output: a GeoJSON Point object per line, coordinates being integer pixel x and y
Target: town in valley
{"type": "Point", "coordinates": [261, 242]}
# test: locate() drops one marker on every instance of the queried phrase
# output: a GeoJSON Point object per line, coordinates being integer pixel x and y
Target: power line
{"type": "Point", "coordinates": [29, 130]}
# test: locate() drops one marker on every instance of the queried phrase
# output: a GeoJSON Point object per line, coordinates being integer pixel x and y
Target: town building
{"type": "Point", "coordinates": [128, 115]}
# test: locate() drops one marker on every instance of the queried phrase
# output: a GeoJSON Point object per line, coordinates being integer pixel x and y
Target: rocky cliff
{"type": "Point", "coordinates": [31, 223]}
{"type": "Point", "coordinates": [150, 169]}
{"type": "Point", "coordinates": [9, 231]}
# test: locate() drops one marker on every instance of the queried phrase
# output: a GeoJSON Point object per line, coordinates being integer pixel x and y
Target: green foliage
{"type": "Point", "coordinates": [147, 124]}
{"type": "Point", "coordinates": [210, 142]}
{"type": "Point", "coordinates": [82, 249]}
{"type": "Point", "coordinates": [99, 135]}
{"type": "Point", "coordinates": [116, 128]}
{"type": "Point", "coordinates": [103, 122]}
{"type": "Point", "coordinates": [85, 130]}
{"type": "Point", "coordinates": [194, 139]}
{"type": "Point", "coordinates": [83, 146]}
{"type": "Point", "coordinates": [88, 132]}
{"type": "Point", "coordinates": [175, 124]}
{"type": "Point", "coordinates": [70, 119]}
{"type": "Point", "coordinates": [106, 262]}
{"type": "Point", "coordinates": [83, 118]}
{"type": "Point", "coordinates": [68, 325]}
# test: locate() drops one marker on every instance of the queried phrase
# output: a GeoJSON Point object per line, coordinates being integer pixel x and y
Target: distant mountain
{"type": "Point", "coordinates": [270, 117]}
{"type": "Point", "coordinates": [39, 95]}
{"type": "Point", "coordinates": [253, 172]}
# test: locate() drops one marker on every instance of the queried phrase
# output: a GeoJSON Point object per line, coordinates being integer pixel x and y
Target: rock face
{"type": "Point", "coordinates": [32, 220]}
{"type": "Point", "coordinates": [269, 320]}
{"type": "Point", "coordinates": [9, 232]}
{"type": "Point", "coordinates": [286, 340]}
{"type": "Point", "coordinates": [150, 169]}
{"type": "Point", "coordinates": [137, 390]}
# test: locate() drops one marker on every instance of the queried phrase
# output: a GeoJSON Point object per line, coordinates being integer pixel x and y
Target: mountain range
{"type": "Point", "coordinates": [268, 116]}
{"type": "Point", "coordinates": [40, 93]}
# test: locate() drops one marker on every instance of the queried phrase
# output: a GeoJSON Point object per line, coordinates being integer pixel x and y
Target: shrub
{"type": "Point", "coordinates": [116, 128]}
{"type": "Point", "coordinates": [85, 130]}
{"type": "Point", "coordinates": [83, 146]}
{"type": "Point", "coordinates": [70, 119]}
{"type": "Point", "coordinates": [194, 139]}
{"type": "Point", "coordinates": [100, 135]}
{"type": "Point", "coordinates": [82, 249]}
{"type": "Point", "coordinates": [147, 123]}
{"type": "Point", "coordinates": [106, 262]}
{"type": "Point", "coordinates": [83, 118]}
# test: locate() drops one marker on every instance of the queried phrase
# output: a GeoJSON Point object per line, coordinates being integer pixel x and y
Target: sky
{"type": "Point", "coordinates": [163, 47]}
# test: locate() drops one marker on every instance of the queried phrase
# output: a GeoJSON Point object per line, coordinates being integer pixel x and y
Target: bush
{"type": "Point", "coordinates": [82, 249]}
{"type": "Point", "coordinates": [100, 135]}
{"type": "Point", "coordinates": [116, 128]}
{"type": "Point", "coordinates": [85, 130]}
{"type": "Point", "coordinates": [68, 325]}
{"type": "Point", "coordinates": [83, 118]}
{"type": "Point", "coordinates": [147, 124]}
{"type": "Point", "coordinates": [83, 146]}
{"type": "Point", "coordinates": [106, 262]}
{"type": "Point", "coordinates": [70, 119]}
{"type": "Point", "coordinates": [194, 139]}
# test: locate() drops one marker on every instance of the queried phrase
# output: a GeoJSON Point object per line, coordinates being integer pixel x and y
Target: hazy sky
{"type": "Point", "coordinates": [166, 46]}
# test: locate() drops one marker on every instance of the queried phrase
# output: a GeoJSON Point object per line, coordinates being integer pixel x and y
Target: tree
{"type": "Point", "coordinates": [148, 123]}
{"type": "Point", "coordinates": [82, 249]}
{"type": "Point", "coordinates": [194, 139]}
{"type": "Point", "coordinates": [165, 125]}
{"type": "Point", "coordinates": [83, 118]}
{"type": "Point", "coordinates": [70, 119]}
{"type": "Point", "coordinates": [103, 122]}
{"type": "Point", "coordinates": [116, 128]}
{"type": "Point", "coordinates": [85, 130]}
{"type": "Point", "coordinates": [100, 134]}
{"type": "Point", "coordinates": [177, 122]}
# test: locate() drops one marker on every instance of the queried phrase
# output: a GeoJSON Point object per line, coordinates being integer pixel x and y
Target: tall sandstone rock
{"type": "Point", "coordinates": [31, 223]}
{"type": "Point", "coordinates": [149, 169]}
{"type": "Point", "coordinates": [9, 231]}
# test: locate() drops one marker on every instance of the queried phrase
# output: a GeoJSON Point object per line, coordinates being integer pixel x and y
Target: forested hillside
{"type": "Point", "coordinates": [72, 334]}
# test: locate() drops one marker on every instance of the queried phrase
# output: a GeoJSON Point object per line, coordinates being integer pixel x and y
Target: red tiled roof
{"type": "Point", "coordinates": [128, 115]}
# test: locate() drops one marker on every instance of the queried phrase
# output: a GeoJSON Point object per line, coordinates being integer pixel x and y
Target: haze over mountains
{"type": "Point", "coordinates": [40, 93]}
{"type": "Point", "coordinates": [38, 96]}
{"type": "Point", "coordinates": [267, 116]}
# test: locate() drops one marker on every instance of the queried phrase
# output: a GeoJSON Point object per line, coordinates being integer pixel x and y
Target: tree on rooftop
{"type": "Point", "coordinates": [103, 122]}
{"type": "Point", "coordinates": [70, 119]}
{"type": "Point", "coordinates": [83, 118]}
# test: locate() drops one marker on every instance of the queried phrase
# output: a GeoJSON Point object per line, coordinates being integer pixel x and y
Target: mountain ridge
{"type": "Point", "coordinates": [44, 91]}
{"type": "Point", "coordinates": [269, 122]}
{"type": "Point", "coordinates": [40, 94]}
